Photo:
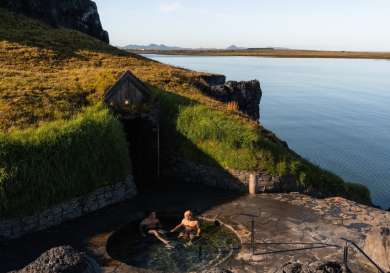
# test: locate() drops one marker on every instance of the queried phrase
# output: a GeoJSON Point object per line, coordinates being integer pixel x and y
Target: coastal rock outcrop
{"type": "Point", "coordinates": [81, 15]}
{"type": "Point", "coordinates": [214, 79]}
{"type": "Point", "coordinates": [247, 94]}
{"type": "Point", "coordinates": [63, 259]}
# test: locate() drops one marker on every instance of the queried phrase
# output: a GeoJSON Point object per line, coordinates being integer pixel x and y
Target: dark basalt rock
{"type": "Point", "coordinates": [294, 268]}
{"type": "Point", "coordinates": [327, 267]}
{"type": "Point", "coordinates": [214, 79]}
{"type": "Point", "coordinates": [81, 15]}
{"type": "Point", "coordinates": [247, 94]}
{"type": "Point", "coordinates": [63, 259]}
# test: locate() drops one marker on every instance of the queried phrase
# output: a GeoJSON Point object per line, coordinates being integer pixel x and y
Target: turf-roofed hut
{"type": "Point", "coordinates": [134, 104]}
{"type": "Point", "coordinates": [128, 95]}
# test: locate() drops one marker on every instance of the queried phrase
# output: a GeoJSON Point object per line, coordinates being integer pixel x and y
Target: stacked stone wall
{"type": "Point", "coordinates": [233, 180]}
{"type": "Point", "coordinates": [100, 198]}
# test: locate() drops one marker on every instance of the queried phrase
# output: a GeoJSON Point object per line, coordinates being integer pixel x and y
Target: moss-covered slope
{"type": "Point", "coordinates": [48, 74]}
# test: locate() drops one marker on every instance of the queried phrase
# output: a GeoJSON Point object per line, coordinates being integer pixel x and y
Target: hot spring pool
{"type": "Point", "coordinates": [215, 246]}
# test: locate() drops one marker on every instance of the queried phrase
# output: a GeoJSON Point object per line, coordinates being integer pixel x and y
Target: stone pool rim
{"type": "Point", "coordinates": [99, 246]}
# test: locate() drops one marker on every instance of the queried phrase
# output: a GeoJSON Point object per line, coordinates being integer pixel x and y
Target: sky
{"type": "Point", "coordinates": [300, 24]}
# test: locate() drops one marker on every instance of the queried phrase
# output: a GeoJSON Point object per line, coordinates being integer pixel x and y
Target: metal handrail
{"type": "Point", "coordinates": [349, 242]}
{"type": "Point", "coordinates": [319, 245]}
{"type": "Point", "coordinates": [293, 250]}
{"type": "Point", "coordinates": [313, 245]}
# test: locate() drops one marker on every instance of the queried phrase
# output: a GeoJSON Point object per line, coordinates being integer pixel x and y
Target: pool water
{"type": "Point", "coordinates": [216, 245]}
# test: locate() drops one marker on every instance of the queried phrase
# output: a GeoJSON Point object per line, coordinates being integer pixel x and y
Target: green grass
{"type": "Point", "coordinates": [50, 75]}
{"type": "Point", "coordinates": [200, 133]}
{"type": "Point", "coordinates": [222, 138]}
{"type": "Point", "coordinates": [60, 160]}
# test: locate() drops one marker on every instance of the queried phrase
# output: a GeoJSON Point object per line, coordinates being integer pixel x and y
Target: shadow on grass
{"type": "Point", "coordinates": [168, 195]}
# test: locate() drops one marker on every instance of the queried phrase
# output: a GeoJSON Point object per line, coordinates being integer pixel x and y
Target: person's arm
{"type": "Point", "coordinates": [198, 228]}
{"type": "Point", "coordinates": [141, 229]}
{"type": "Point", "coordinates": [177, 227]}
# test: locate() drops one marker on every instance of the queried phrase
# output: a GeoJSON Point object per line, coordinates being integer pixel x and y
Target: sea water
{"type": "Point", "coordinates": [334, 112]}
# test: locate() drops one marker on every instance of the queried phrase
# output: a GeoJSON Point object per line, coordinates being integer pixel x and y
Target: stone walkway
{"type": "Point", "coordinates": [284, 222]}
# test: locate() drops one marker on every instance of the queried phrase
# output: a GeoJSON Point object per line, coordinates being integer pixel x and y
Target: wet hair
{"type": "Point", "coordinates": [188, 212]}
{"type": "Point", "coordinates": [149, 212]}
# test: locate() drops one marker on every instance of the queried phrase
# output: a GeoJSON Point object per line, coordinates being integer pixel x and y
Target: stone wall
{"type": "Point", "coordinates": [100, 198]}
{"type": "Point", "coordinates": [233, 180]}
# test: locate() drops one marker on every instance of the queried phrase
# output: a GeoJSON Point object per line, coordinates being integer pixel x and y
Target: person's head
{"type": "Point", "coordinates": [188, 215]}
{"type": "Point", "coordinates": [151, 214]}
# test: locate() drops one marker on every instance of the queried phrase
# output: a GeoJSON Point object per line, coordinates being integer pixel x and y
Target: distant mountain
{"type": "Point", "coordinates": [165, 47]}
{"type": "Point", "coordinates": [152, 47]}
{"type": "Point", "coordinates": [234, 47]}
{"type": "Point", "coordinates": [268, 48]}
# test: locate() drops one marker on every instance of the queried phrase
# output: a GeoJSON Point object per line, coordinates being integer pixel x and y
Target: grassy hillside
{"type": "Point", "coordinates": [49, 74]}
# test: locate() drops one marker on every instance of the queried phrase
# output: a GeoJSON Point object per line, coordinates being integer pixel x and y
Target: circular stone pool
{"type": "Point", "coordinates": [215, 246]}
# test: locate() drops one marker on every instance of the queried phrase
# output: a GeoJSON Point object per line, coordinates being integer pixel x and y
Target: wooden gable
{"type": "Point", "coordinates": [128, 90]}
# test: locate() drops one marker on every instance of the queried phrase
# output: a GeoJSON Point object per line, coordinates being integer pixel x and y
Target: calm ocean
{"type": "Point", "coordinates": [334, 112]}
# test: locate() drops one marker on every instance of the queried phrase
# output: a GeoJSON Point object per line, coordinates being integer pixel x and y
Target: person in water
{"type": "Point", "coordinates": [190, 225]}
{"type": "Point", "coordinates": [151, 226]}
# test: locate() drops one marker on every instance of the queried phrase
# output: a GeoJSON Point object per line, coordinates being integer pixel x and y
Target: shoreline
{"type": "Point", "coordinates": [299, 54]}
{"type": "Point", "coordinates": [183, 53]}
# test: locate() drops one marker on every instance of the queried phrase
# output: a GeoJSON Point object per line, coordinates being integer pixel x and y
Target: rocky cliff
{"type": "Point", "coordinates": [247, 94]}
{"type": "Point", "coordinates": [213, 79]}
{"type": "Point", "coordinates": [81, 15]}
